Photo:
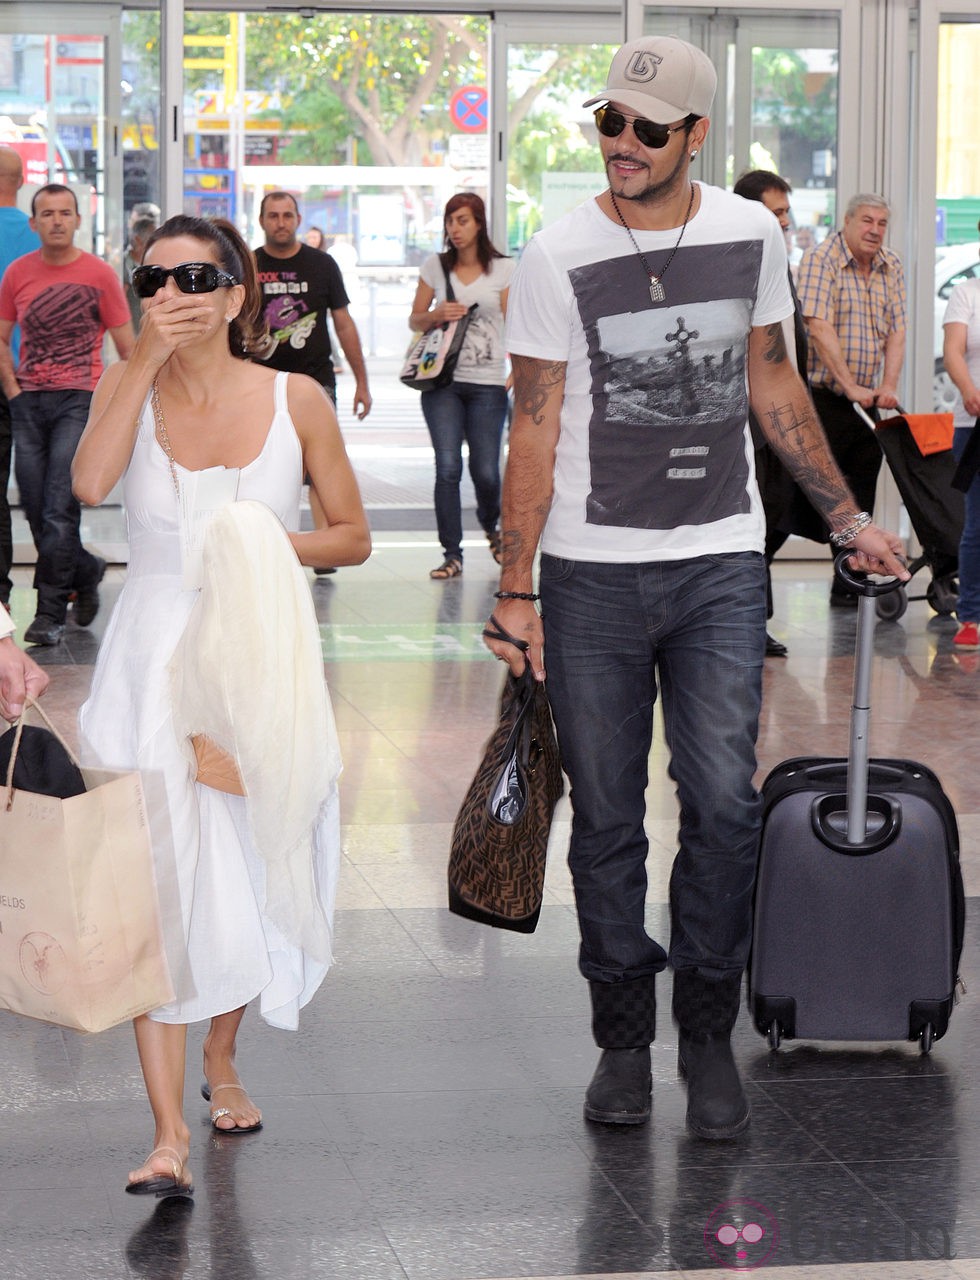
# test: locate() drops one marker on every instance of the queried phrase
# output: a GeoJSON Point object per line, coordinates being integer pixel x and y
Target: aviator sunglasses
{"type": "Point", "coordinates": [190, 277]}
{"type": "Point", "coordinates": [611, 124]}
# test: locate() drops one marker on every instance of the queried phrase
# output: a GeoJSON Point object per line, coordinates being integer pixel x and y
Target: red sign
{"type": "Point", "coordinates": [469, 109]}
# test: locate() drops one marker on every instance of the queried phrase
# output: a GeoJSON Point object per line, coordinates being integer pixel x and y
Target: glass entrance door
{"type": "Point", "coordinates": [60, 91]}
{"type": "Point", "coordinates": [545, 150]}
{"type": "Point", "coordinates": [777, 101]}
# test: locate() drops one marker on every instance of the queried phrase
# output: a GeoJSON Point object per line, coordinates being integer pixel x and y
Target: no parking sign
{"type": "Point", "coordinates": [469, 108]}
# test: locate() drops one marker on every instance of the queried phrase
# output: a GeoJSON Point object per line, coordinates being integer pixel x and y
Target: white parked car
{"type": "Point", "coordinates": [954, 264]}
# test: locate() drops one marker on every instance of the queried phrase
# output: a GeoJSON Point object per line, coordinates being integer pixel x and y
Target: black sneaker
{"type": "Point", "coordinates": [87, 601]}
{"type": "Point", "coordinates": [44, 631]}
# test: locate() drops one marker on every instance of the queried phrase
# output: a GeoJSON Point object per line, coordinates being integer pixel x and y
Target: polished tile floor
{"type": "Point", "coordinates": [425, 1122]}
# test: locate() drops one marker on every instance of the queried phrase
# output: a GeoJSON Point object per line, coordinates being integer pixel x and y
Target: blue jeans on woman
{"type": "Point", "coordinates": [613, 633]}
{"type": "Point", "coordinates": [968, 608]}
{"type": "Point", "coordinates": [475, 413]}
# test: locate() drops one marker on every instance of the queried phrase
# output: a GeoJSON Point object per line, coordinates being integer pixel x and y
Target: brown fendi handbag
{"type": "Point", "coordinates": [500, 838]}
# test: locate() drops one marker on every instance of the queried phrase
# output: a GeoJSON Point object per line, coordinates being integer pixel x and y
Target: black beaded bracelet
{"type": "Point", "coordinates": [515, 595]}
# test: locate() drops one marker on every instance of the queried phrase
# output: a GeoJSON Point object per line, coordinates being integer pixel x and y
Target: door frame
{"type": "Point", "coordinates": [103, 20]}
{"type": "Point", "coordinates": [508, 29]}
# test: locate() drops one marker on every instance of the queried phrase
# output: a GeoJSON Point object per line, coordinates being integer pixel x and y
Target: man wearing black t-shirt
{"type": "Point", "coordinates": [300, 286]}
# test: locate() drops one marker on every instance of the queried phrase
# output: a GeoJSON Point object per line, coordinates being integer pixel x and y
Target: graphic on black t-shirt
{"type": "Point", "coordinates": [298, 292]}
{"type": "Point", "coordinates": [290, 321]}
{"type": "Point", "coordinates": [60, 328]}
{"type": "Point", "coordinates": [669, 404]}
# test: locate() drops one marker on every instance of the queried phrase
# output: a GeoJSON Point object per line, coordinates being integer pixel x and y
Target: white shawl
{"type": "Point", "coordinates": [248, 672]}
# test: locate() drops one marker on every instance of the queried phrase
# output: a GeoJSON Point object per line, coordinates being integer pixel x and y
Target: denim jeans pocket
{"type": "Point", "coordinates": [555, 569]}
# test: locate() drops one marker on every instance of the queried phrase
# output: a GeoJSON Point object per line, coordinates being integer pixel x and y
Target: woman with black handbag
{"type": "Point", "coordinates": [473, 406]}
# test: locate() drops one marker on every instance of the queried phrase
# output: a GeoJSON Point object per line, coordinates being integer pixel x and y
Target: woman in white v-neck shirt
{"type": "Point", "coordinates": [473, 408]}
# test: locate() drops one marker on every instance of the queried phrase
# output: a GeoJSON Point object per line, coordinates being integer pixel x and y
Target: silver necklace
{"type": "Point", "coordinates": [161, 429]}
{"type": "Point", "coordinates": [657, 293]}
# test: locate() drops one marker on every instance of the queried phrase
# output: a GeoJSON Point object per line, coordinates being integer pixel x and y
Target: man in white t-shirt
{"type": "Point", "coordinates": [640, 327]}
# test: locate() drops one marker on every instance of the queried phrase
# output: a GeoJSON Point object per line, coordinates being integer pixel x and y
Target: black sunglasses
{"type": "Point", "coordinates": [190, 277]}
{"type": "Point", "coordinates": [611, 124]}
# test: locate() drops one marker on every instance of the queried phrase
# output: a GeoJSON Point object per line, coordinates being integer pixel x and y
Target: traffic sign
{"type": "Point", "coordinates": [469, 108]}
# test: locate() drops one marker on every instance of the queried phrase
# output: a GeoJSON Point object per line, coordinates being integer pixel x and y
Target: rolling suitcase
{"type": "Point", "coordinates": [859, 897]}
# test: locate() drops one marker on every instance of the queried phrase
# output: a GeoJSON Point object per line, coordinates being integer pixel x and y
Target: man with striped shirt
{"type": "Point", "coordinates": [852, 294]}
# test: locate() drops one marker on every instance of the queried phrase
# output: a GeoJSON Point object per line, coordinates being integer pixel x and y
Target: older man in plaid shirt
{"type": "Point", "coordinates": [852, 294]}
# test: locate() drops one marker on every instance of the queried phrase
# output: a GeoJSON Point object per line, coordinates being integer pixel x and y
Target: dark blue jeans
{"type": "Point", "coordinates": [6, 529]}
{"type": "Point", "coordinates": [613, 633]}
{"type": "Point", "coordinates": [47, 426]}
{"type": "Point", "coordinates": [968, 608]}
{"type": "Point", "coordinates": [474, 413]}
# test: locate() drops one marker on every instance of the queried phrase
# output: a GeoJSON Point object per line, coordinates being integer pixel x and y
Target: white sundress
{"type": "Point", "coordinates": [222, 947]}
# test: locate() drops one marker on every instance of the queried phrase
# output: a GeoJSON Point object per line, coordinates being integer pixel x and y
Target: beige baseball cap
{"type": "Point", "coordinates": [661, 78]}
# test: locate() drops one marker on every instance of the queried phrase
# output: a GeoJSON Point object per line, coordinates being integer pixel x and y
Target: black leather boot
{"type": "Point", "coordinates": [706, 1009]}
{"type": "Point", "coordinates": [620, 1089]}
{"type": "Point", "coordinates": [716, 1103]}
{"type": "Point", "coordinates": [624, 1022]}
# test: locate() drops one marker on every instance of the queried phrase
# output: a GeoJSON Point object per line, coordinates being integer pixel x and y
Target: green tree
{"type": "Point", "coordinates": [782, 97]}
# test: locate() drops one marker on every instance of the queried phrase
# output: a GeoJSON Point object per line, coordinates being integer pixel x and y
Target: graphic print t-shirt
{"type": "Point", "coordinates": [482, 357]}
{"type": "Point", "coordinates": [654, 458]}
{"type": "Point", "coordinates": [299, 293]}
{"type": "Point", "coordinates": [63, 312]}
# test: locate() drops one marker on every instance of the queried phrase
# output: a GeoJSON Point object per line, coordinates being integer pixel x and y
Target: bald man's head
{"type": "Point", "coordinates": [11, 175]}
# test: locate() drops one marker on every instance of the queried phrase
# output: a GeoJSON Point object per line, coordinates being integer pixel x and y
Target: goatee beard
{"type": "Point", "coordinates": [655, 191]}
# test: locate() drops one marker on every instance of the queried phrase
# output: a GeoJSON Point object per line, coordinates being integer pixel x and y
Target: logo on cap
{"type": "Point", "coordinates": [642, 66]}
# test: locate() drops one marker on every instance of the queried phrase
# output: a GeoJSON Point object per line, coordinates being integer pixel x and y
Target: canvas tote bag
{"type": "Point", "coordinates": [80, 938]}
{"type": "Point", "coordinates": [431, 358]}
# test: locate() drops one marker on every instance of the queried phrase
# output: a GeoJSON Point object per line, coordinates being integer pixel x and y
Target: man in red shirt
{"type": "Point", "coordinates": [64, 301]}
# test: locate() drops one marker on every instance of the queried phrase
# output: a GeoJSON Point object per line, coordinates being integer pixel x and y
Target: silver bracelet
{"type": "Point", "coordinates": [858, 524]}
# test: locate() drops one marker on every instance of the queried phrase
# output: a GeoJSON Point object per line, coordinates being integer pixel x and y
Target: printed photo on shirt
{"type": "Point", "coordinates": [666, 438]}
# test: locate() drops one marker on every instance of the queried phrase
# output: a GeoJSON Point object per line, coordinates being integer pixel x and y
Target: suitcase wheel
{"type": "Point", "coordinates": [772, 1035]}
{"type": "Point", "coordinates": [890, 608]}
{"type": "Point", "coordinates": [926, 1037]}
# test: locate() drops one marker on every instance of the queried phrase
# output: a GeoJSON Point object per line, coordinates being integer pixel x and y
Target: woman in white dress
{"type": "Point", "coordinates": [189, 406]}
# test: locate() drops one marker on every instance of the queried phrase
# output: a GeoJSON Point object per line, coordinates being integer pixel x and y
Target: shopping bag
{"type": "Point", "coordinates": [431, 357]}
{"type": "Point", "coordinates": [80, 938]}
{"type": "Point", "coordinates": [500, 837]}
{"type": "Point", "coordinates": [932, 432]}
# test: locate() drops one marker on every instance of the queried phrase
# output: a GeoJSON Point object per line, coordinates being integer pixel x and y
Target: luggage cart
{"type": "Point", "coordinates": [935, 510]}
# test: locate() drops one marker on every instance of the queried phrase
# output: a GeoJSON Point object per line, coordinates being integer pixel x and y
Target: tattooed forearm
{"type": "Point", "coordinates": [794, 431]}
{"type": "Point", "coordinates": [775, 349]}
{"type": "Point", "coordinates": [534, 382]}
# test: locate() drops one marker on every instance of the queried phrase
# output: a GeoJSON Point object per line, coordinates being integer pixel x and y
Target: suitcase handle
{"type": "Point", "coordinates": [862, 586]}
{"type": "Point", "coordinates": [829, 817]}
{"type": "Point", "coordinates": [859, 830]}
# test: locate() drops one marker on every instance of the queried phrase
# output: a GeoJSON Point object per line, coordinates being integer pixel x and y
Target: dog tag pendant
{"type": "Point", "coordinates": [657, 290]}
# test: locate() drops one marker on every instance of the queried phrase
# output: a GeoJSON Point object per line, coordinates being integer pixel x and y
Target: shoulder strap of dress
{"type": "Point", "coordinates": [280, 392]}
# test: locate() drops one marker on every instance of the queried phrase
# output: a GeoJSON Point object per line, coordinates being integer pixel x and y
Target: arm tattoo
{"type": "Point", "coordinates": [775, 352]}
{"type": "Point", "coordinates": [799, 440]}
{"type": "Point", "coordinates": [534, 382]}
